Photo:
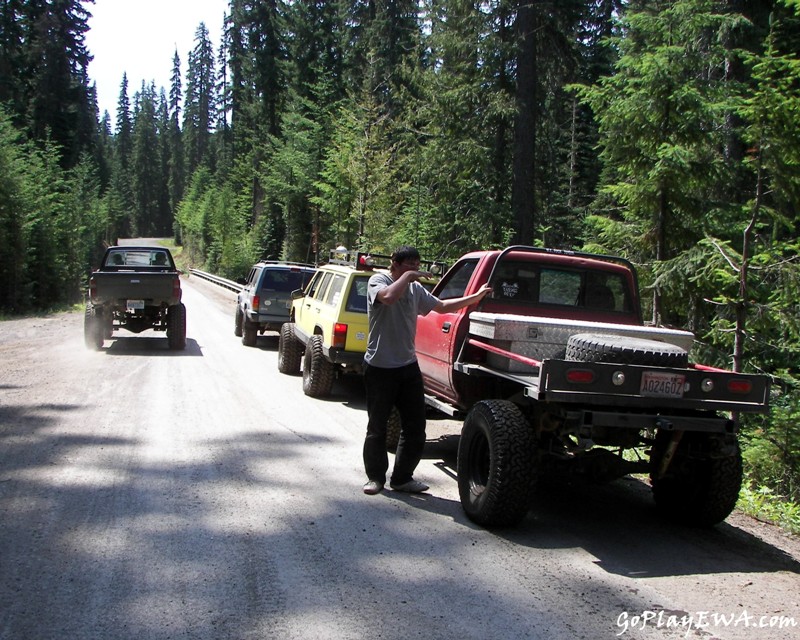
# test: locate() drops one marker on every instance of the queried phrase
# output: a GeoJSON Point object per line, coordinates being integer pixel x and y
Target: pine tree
{"type": "Point", "coordinates": [200, 101]}
{"type": "Point", "coordinates": [55, 92]}
{"type": "Point", "coordinates": [175, 153]}
{"type": "Point", "coordinates": [659, 118]}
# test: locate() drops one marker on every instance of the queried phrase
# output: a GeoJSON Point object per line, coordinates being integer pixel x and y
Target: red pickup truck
{"type": "Point", "coordinates": [555, 371]}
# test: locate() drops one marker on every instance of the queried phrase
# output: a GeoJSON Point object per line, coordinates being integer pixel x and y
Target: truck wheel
{"type": "Point", "coordinates": [698, 489]}
{"type": "Point", "coordinates": [249, 333]}
{"type": "Point", "coordinates": [176, 326]}
{"type": "Point", "coordinates": [587, 347]}
{"type": "Point", "coordinates": [237, 322]}
{"type": "Point", "coordinates": [93, 328]}
{"type": "Point", "coordinates": [495, 464]}
{"type": "Point", "coordinates": [317, 371]}
{"type": "Point", "coordinates": [393, 429]}
{"type": "Point", "coordinates": [290, 350]}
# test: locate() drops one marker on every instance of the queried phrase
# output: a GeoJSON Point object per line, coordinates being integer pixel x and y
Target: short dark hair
{"type": "Point", "coordinates": [401, 254]}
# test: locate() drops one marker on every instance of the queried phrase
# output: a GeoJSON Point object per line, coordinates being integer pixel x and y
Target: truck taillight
{"type": "Point", "coordinates": [580, 376]}
{"type": "Point", "coordinates": [339, 335]}
{"type": "Point", "coordinates": [740, 386]}
{"type": "Point", "coordinates": [256, 302]}
{"type": "Point", "coordinates": [176, 289]}
{"type": "Point", "coordinates": [92, 288]}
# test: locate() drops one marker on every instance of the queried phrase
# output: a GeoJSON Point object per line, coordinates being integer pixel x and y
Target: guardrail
{"type": "Point", "coordinates": [222, 282]}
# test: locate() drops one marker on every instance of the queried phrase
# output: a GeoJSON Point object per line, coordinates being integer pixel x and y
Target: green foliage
{"type": "Point", "coordinates": [49, 219]}
{"type": "Point", "coordinates": [761, 502]}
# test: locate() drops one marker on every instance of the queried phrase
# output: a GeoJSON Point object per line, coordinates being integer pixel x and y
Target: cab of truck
{"type": "Point", "coordinates": [525, 281]}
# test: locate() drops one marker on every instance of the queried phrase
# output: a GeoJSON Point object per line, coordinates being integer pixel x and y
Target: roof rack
{"type": "Point", "coordinates": [287, 263]}
{"type": "Point", "coordinates": [369, 261]}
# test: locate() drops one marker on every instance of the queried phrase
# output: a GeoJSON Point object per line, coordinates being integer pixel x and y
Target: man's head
{"type": "Point", "coordinates": [406, 256]}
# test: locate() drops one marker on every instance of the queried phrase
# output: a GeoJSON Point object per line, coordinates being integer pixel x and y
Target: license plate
{"type": "Point", "coordinates": [135, 304]}
{"type": "Point", "coordinates": [656, 384]}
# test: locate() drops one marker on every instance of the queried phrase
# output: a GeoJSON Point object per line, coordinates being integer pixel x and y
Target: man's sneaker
{"type": "Point", "coordinates": [372, 487]}
{"type": "Point", "coordinates": [412, 486]}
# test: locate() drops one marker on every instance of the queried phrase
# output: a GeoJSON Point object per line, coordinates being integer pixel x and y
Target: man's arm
{"type": "Point", "coordinates": [393, 292]}
{"type": "Point", "coordinates": [454, 304]}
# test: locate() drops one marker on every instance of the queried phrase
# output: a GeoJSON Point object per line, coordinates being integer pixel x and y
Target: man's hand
{"type": "Point", "coordinates": [417, 275]}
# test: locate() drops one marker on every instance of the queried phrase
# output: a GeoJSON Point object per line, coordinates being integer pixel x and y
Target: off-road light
{"type": "Point", "coordinates": [707, 385]}
{"type": "Point", "coordinates": [436, 269]}
{"type": "Point", "coordinates": [366, 261]}
{"type": "Point", "coordinates": [618, 378]}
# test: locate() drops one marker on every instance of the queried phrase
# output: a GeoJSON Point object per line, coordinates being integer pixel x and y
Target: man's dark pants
{"type": "Point", "coordinates": [388, 388]}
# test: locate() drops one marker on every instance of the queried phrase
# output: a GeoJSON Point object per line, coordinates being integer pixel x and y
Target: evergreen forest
{"type": "Point", "coordinates": [665, 131]}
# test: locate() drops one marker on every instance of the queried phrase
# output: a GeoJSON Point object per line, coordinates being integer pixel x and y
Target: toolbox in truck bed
{"type": "Point", "coordinates": [541, 338]}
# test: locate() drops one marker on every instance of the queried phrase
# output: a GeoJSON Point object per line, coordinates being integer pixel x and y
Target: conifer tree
{"type": "Point", "coordinates": [55, 92]}
{"type": "Point", "coordinates": [175, 154]}
{"type": "Point", "coordinates": [659, 118]}
{"type": "Point", "coordinates": [200, 101]}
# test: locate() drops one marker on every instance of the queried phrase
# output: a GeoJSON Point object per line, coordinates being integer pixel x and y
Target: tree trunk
{"type": "Point", "coordinates": [523, 192]}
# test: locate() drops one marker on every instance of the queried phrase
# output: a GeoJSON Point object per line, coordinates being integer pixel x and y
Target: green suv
{"type": "Point", "coordinates": [265, 301]}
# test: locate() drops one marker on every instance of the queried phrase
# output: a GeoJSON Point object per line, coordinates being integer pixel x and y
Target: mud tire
{"type": "Point", "coordinates": [290, 350]}
{"type": "Point", "coordinates": [249, 333]}
{"type": "Point", "coordinates": [176, 327]}
{"type": "Point", "coordinates": [238, 320]}
{"type": "Point", "coordinates": [93, 328]}
{"type": "Point", "coordinates": [496, 464]}
{"type": "Point", "coordinates": [317, 371]}
{"type": "Point", "coordinates": [697, 490]}
{"type": "Point", "coordinates": [393, 429]}
{"type": "Point", "coordinates": [587, 347]}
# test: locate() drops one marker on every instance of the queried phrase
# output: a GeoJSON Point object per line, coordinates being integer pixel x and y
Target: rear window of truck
{"type": "Point", "coordinates": [541, 285]}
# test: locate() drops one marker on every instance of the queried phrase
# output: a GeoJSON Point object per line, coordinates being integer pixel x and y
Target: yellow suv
{"type": "Point", "coordinates": [327, 328]}
{"type": "Point", "coordinates": [327, 325]}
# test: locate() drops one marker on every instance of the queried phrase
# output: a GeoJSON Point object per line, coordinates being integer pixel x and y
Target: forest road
{"type": "Point", "coordinates": [153, 494]}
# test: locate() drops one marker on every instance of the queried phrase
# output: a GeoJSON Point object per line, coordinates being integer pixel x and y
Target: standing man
{"type": "Point", "coordinates": [392, 375]}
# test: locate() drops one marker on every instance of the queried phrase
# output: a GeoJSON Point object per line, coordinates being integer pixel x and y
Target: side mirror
{"type": "Point", "coordinates": [297, 294]}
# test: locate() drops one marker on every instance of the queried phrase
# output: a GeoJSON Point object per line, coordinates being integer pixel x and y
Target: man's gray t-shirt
{"type": "Point", "coordinates": [393, 327]}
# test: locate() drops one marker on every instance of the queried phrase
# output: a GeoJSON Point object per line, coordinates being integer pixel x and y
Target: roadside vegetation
{"type": "Point", "coordinates": [662, 131]}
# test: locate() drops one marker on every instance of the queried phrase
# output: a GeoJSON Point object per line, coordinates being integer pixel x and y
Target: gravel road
{"type": "Point", "coordinates": [150, 494]}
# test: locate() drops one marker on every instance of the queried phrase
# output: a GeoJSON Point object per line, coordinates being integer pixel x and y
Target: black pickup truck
{"type": "Point", "coordinates": [135, 288]}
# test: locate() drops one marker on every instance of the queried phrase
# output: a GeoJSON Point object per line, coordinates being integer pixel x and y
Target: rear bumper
{"type": "Point", "coordinates": [345, 358]}
{"type": "Point", "coordinates": [267, 321]}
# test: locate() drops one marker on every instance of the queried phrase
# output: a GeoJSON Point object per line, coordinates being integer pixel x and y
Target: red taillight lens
{"type": "Point", "coordinates": [256, 302]}
{"type": "Point", "coordinates": [740, 386]}
{"type": "Point", "coordinates": [580, 376]}
{"type": "Point", "coordinates": [339, 335]}
{"type": "Point", "coordinates": [92, 288]}
{"type": "Point", "coordinates": [176, 289]}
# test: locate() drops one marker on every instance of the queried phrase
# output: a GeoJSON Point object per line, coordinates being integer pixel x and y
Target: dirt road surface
{"type": "Point", "coordinates": [150, 494]}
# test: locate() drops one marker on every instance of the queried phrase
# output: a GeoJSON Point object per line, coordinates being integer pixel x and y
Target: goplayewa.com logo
{"type": "Point", "coordinates": [700, 620]}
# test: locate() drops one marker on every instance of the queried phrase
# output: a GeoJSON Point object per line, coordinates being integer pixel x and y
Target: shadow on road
{"type": "Point", "coordinates": [148, 346]}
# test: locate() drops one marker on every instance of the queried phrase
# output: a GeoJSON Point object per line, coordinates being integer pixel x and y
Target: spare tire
{"type": "Point", "coordinates": [587, 347]}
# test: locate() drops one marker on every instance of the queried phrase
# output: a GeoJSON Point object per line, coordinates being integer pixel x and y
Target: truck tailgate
{"type": "Point", "coordinates": [153, 288]}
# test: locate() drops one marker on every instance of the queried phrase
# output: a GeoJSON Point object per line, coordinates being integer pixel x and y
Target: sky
{"type": "Point", "coordinates": [139, 37]}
